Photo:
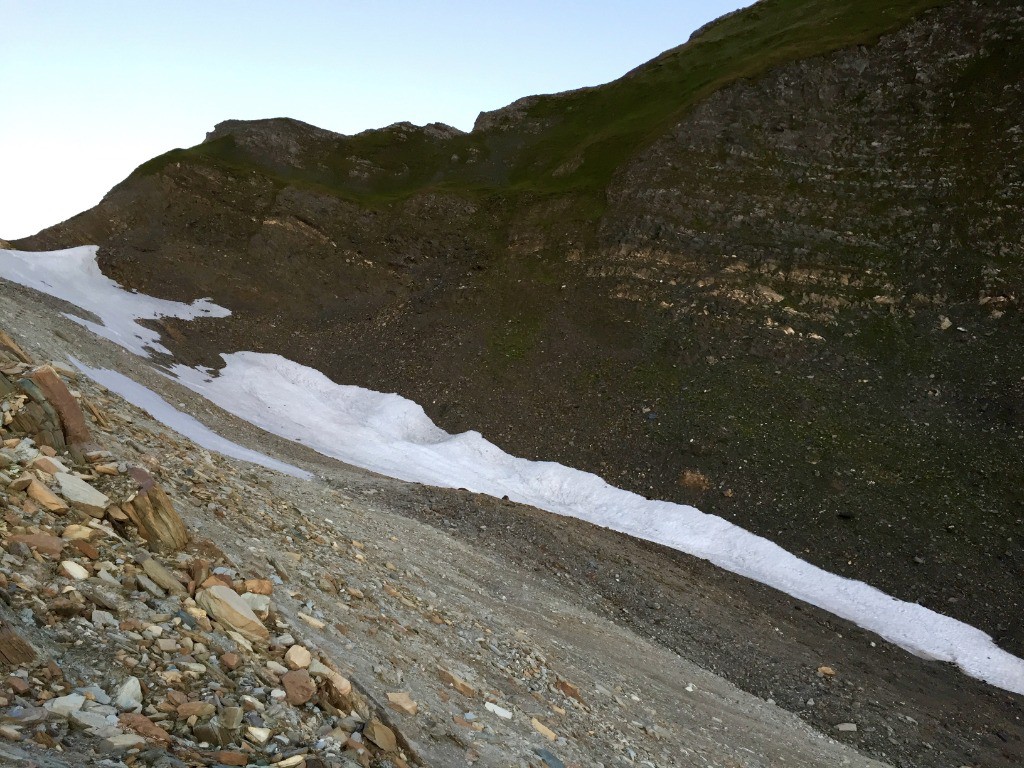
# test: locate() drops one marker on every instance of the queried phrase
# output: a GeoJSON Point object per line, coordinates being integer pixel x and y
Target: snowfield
{"type": "Point", "coordinates": [393, 436]}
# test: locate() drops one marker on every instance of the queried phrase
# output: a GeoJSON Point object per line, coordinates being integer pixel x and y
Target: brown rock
{"type": "Point", "coordinates": [22, 482]}
{"type": "Point", "coordinates": [230, 660]}
{"type": "Point", "coordinates": [402, 702]}
{"type": "Point", "coordinates": [227, 607]}
{"type": "Point", "coordinates": [380, 735]}
{"type": "Point", "coordinates": [543, 730]}
{"type": "Point", "coordinates": [18, 685]}
{"type": "Point", "coordinates": [299, 686]}
{"type": "Point", "coordinates": [152, 512]}
{"type": "Point", "coordinates": [145, 727]}
{"type": "Point", "coordinates": [48, 465]}
{"type": "Point", "coordinates": [569, 690]}
{"type": "Point", "coordinates": [39, 492]}
{"type": "Point", "coordinates": [43, 543]}
{"type": "Point", "coordinates": [217, 580]}
{"type": "Point", "coordinates": [86, 549]}
{"type": "Point", "coordinates": [10, 345]}
{"type": "Point", "coordinates": [456, 682]}
{"type": "Point", "coordinates": [163, 577]}
{"type": "Point", "coordinates": [76, 431]}
{"type": "Point", "coordinates": [259, 586]}
{"type": "Point", "coordinates": [14, 650]}
{"type": "Point", "coordinates": [201, 709]}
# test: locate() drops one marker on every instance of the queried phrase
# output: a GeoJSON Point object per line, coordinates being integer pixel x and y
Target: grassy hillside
{"type": "Point", "coordinates": [583, 135]}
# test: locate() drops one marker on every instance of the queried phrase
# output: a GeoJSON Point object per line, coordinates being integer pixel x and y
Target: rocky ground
{"type": "Point", "coordinates": [353, 619]}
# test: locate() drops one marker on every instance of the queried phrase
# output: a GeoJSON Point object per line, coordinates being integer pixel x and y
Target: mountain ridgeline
{"type": "Point", "coordinates": [775, 273]}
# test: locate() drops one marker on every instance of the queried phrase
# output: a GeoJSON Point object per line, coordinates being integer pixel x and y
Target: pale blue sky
{"type": "Point", "coordinates": [89, 90]}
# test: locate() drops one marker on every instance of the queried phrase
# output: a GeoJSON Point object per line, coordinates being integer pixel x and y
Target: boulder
{"type": "Point", "coordinates": [227, 607]}
{"type": "Point", "coordinates": [82, 496]}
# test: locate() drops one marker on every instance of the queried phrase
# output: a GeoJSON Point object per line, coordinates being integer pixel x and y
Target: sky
{"type": "Point", "coordinates": [89, 91]}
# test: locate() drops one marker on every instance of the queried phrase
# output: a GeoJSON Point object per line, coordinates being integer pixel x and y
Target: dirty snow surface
{"type": "Point", "coordinates": [393, 436]}
{"type": "Point", "coordinates": [74, 276]}
{"type": "Point", "coordinates": [182, 423]}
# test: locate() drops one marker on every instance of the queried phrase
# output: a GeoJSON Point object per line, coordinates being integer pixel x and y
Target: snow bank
{"type": "Point", "coordinates": [182, 423]}
{"type": "Point", "coordinates": [393, 436]}
{"type": "Point", "coordinates": [74, 276]}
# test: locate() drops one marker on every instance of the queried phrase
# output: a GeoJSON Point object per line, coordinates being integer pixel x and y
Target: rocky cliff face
{"type": "Point", "coordinates": [792, 301]}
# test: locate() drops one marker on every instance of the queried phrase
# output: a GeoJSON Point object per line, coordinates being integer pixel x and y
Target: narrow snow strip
{"type": "Point", "coordinates": [182, 423]}
{"type": "Point", "coordinates": [393, 436]}
{"type": "Point", "coordinates": [74, 276]}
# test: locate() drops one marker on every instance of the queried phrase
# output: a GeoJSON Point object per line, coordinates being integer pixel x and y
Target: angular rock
{"type": "Point", "coordinates": [88, 720]}
{"type": "Point", "coordinates": [258, 735]}
{"type": "Point", "coordinates": [340, 686]}
{"type": "Point", "coordinates": [259, 586]}
{"type": "Point", "coordinates": [298, 686]}
{"type": "Point", "coordinates": [380, 735]}
{"type": "Point", "coordinates": [543, 730]}
{"type": "Point", "coordinates": [51, 466]}
{"type": "Point", "coordinates": [260, 604]}
{"type": "Point", "coordinates": [501, 712]}
{"type": "Point", "coordinates": [73, 570]}
{"type": "Point", "coordinates": [118, 745]}
{"type": "Point", "coordinates": [75, 532]}
{"type": "Point", "coordinates": [231, 717]}
{"type": "Point", "coordinates": [145, 727]}
{"type": "Point", "coordinates": [147, 584]}
{"type": "Point", "coordinates": [82, 496]}
{"type": "Point", "coordinates": [76, 431]}
{"type": "Point", "coordinates": [200, 709]}
{"type": "Point", "coordinates": [456, 682]}
{"type": "Point", "coordinates": [297, 657]}
{"type": "Point", "coordinates": [42, 543]}
{"type": "Point", "coordinates": [46, 497]}
{"type": "Point", "coordinates": [402, 702]}
{"type": "Point", "coordinates": [152, 512]}
{"type": "Point", "coordinates": [129, 696]}
{"type": "Point", "coordinates": [63, 706]}
{"type": "Point", "coordinates": [227, 607]}
{"type": "Point", "coordinates": [163, 577]}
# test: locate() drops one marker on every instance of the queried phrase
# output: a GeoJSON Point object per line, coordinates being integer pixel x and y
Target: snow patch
{"type": "Point", "coordinates": [182, 423]}
{"type": "Point", "coordinates": [74, 276]}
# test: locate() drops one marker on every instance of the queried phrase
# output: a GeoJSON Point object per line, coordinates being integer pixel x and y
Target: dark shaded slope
{"type": "Point", "coordinates": [734, 299]}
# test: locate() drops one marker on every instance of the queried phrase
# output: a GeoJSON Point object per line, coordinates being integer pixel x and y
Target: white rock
{"type": "Point", "coordinates": [73, 570]}
{"type": "Point", "coordinates": [847, 727]}
{"type": "Point", "coordinates": [224, 604]}
{"type": "Point", "coordinates": [82, 496]}
{"type": "Point", "coordinates": [129, 696]}
{"type": "Point", "coordinates": [499, 711]}
{"type": "Point", "coordinates": [89, 720]}
{"type": "Point", "coordinates": [260, 604]}
{"type": "Point", "coordinates": [298, 657]}
{"type": "Point", "coordinates": [103, 619]}
{"type": "Point", "coordinates": [259, 735]}
{"type": "Point", "coordinates": [65, 705]}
